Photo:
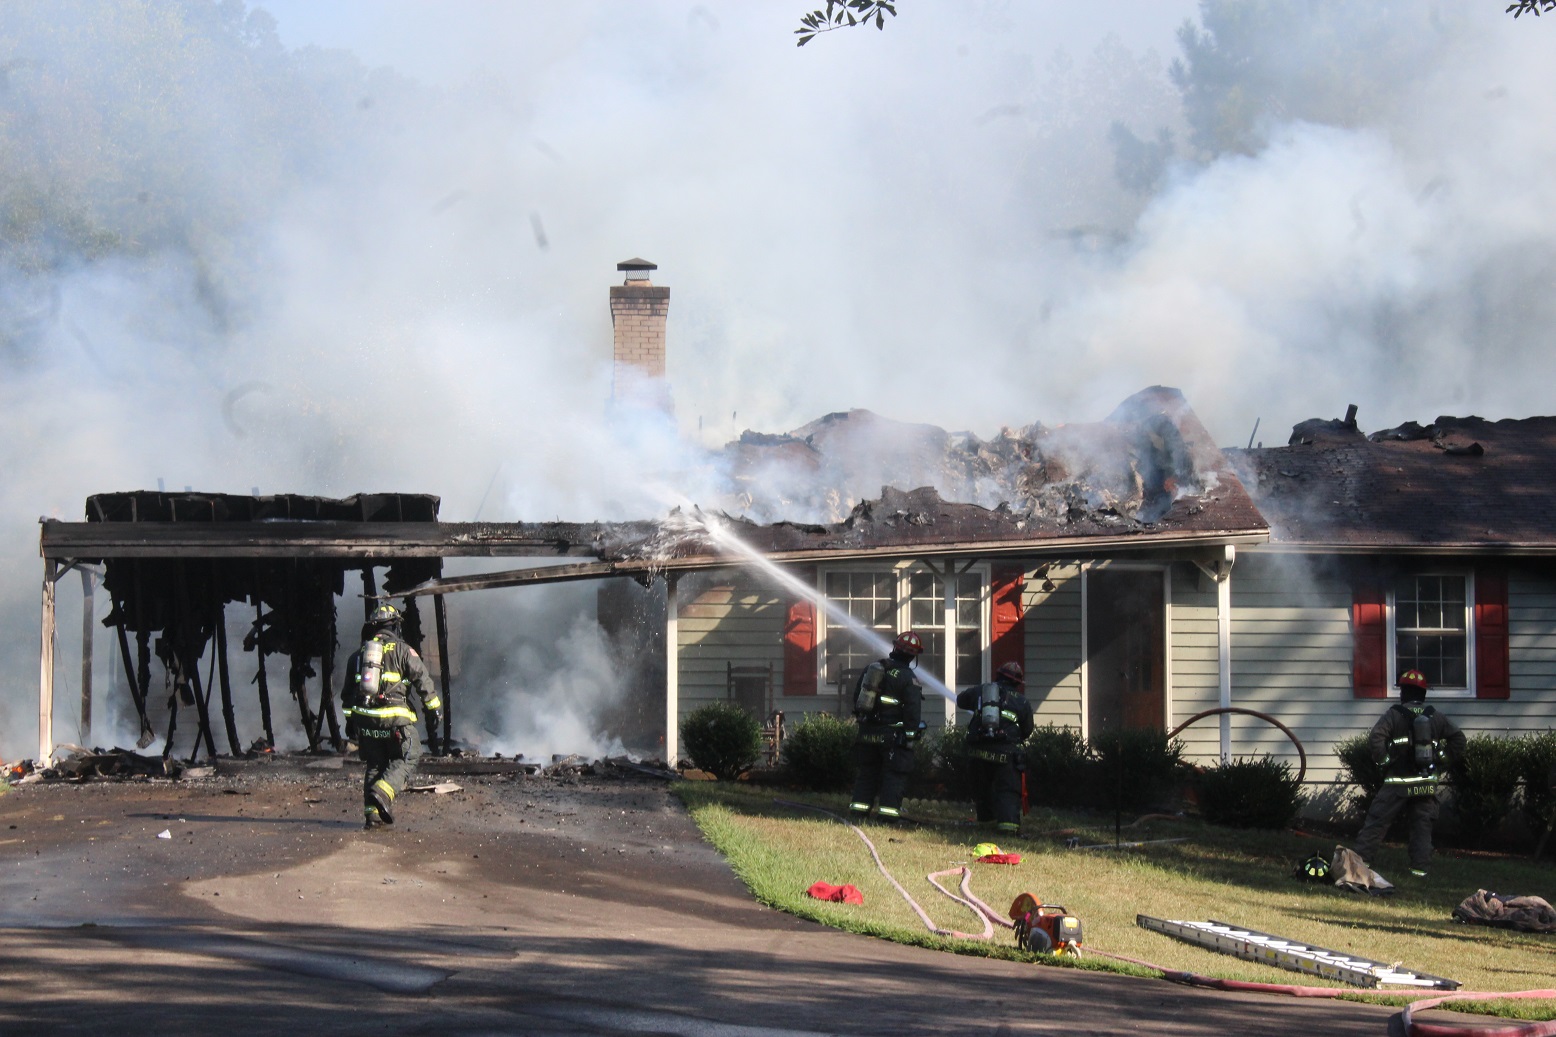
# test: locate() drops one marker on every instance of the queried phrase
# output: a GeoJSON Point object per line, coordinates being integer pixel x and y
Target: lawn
{"type": "Point", "coordinates": [779, 848]}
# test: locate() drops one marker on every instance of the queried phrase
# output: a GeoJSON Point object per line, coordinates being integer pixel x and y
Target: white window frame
{"type": "Point", "coordinates": [1468, 576]}
{"type": "Point", "coordinates": [903, 571]}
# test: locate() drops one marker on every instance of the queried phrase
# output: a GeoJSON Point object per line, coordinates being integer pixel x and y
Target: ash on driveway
{"type": "Point", "coordinates": [253, 902]}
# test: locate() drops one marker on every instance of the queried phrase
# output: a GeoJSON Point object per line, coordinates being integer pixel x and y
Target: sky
{"type": "Point", "coordinates": [924, 221]}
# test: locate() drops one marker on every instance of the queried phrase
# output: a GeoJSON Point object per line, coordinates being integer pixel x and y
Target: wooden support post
{"type": "Point", "coordinates": [297, 678]}
{"type": "Point", "coordinates": [46, 666]}
{"type": "Point", "coordinates": [259, 677]}
{"type": "Point", "coordinates": [88, 610]}
{"type": "Point", "coordinates": [222, 675]}
{"type": "Point", "coordinates": [147, 735]}
{"type": "Point", "coordinates": [440, 616]}
{"type": "Point", "coordinates": [327, 679]}
{"type": "Point", "coordinates": [183, 643]}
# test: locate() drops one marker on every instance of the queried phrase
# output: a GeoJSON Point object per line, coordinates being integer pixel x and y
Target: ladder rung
{"type": "Point", "coordinates": [1253, 945]}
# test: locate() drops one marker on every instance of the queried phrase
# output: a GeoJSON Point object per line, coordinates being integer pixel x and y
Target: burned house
{"type": "Point", "coordinates": [1142, 576]}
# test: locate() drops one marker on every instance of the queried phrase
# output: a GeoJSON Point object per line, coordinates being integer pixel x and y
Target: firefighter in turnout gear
{"type": "Point", "coordinates": [387, 692]}
{"type": "Point", "coordinates": [1414, 744]}
{"type": "Point", "coordinates": [888, 704]}
{"type": "Point", "coordinates": [1001, 719]}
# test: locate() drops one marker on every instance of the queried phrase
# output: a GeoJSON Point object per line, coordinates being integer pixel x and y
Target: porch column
{"type": "Point", "coordinates": [88, 608]}
{"type": "Point", "coordinates": [948, 634]}
{"type": "Point", "coordinates": [1224, 652]}
{"type": "Point", "coordinates": [51, 571]}
{"type": "Point", "coordinates": [672, 672]}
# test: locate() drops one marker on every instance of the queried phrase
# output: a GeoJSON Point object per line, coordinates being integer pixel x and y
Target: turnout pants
{"type": "Point", "coordinates": [882, 775]}
{"type": "Point", "coordinates": [390, 757]}
{"type": "Point", "coordinates": [1422, 811]}
{"type": "Point", "coordinates": [996, 782]}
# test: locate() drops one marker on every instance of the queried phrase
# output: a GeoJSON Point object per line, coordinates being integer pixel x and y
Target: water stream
{"type": "Point", "coordinates": [726, 538]}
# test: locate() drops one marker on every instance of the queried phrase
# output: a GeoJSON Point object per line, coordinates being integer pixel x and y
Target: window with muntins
{"type": "Point", "coordinates": [1431, 628]}
{"type": "Point", "coordinates": [890, 601]}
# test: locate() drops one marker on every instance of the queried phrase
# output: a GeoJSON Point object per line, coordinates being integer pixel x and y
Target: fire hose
{"type": "Point", "coordinates": [1202, 714]}
{"type": "Point", "coordinates": [990, 917]}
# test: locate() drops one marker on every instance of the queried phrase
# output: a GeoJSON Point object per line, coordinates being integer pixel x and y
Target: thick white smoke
{"type": "Point", "coordinates": [336, 280]}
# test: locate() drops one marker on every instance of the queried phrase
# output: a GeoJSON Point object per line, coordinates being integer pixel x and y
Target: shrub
{"type": "Point", "coordinates": [1537, 768]}
{"type": "Point", "coordinates": [1363, 775]}
{"type": "Point", "coordinates": [818, 753]}
{"type": "Point", "coordinates": [1258, 793]}
{"type": "Point", "coordinates": [1133, 768]}
{"type": "Point", "coordinates": [946, 758]}
{"type": "Point", "coordinates": [1484, 782]}
{"type": "Point", "coordinates": [722, 738]}
{"type": "Point", "coordinates": [1056, 766]}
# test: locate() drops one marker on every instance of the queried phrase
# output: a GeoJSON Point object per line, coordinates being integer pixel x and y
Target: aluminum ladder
{"type": "Point", "coordinates": [1252, 945]}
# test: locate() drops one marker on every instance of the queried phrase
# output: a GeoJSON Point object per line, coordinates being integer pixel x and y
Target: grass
{"type": "Point", "coordinates": [1236, 876]}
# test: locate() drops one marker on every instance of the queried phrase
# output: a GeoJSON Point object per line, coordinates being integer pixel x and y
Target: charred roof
{"type": "Point", "coordinates": [1455, 483]}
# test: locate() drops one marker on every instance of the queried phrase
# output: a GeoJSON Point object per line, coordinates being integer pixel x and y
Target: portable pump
{"type": "Point", "coordinates": [1045, 928]}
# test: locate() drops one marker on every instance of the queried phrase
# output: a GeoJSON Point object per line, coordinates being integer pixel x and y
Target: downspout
{"type": "Point", "coordinates": [1224, 648]}
{"type": "Point", "coordinates": [672, 672]}
{"type": "Point", "coordinates": [1221, 572]}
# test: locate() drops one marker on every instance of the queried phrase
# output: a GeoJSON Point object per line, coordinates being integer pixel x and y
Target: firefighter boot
{"type": "Point", "coordinates": [370, 818]}
{"type": "Point", "coordinates": [383, 798]}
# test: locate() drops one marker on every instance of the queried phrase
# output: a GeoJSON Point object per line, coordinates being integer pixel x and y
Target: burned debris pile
{"type": "Point", "coordinates": [176, 608]}
{"type": "Point", "coordinates": [1126, 472]}
{"type": "Point", "coordinates": [1149, 468]}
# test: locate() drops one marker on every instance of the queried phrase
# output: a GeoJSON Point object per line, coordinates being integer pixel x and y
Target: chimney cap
{"type": "Point", "coordinates": [636, 264]}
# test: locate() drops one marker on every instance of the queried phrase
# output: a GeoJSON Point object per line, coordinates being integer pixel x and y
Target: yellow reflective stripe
{"type": "Point", "coordinates": [387, 788]}
{"type": "Point", "coordinates": [1007, 714]}
{"type": "Point", "coordinates": [391, 676]}
{"type": "Point", "coordinates": [887, 700]}
{"type": "Point", "coordinates": [386, 712]}
{"type": "Point", "coordinates": [1402, 740]}
{"type": "Point", "coordinates": [433, 703]}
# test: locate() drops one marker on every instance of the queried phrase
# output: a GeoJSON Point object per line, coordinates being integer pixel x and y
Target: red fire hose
{"type": "Point", "coordinates": [1202, 714]}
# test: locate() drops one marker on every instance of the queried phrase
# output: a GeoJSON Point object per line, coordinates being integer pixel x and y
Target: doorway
{"type": "Point", "coordinates": [1126, 657]}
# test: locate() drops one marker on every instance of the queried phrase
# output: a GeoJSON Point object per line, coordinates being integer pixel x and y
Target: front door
{"type": "Point", "coordinates": [1126, 650]}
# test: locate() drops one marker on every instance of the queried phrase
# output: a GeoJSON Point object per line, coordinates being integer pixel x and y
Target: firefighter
{"type": "Point", "coordinates": [1413, 743]}
{"type": "Point", "coordinates": [1001, 719]}
{"type": "Point", "coordinates": [888, 704]}
{"type": "Point", "coordinates": [387, 692]}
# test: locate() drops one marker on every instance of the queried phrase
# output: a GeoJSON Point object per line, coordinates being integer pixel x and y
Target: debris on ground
{"type": "Point", "coordinates": [1524, 913]}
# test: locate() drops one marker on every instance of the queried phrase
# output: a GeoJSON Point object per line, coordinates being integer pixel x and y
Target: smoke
{"type": "Point", "coordinates": [230, 259]}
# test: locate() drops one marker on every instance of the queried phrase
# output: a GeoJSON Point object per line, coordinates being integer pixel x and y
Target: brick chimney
{"type": "Point", "coordinates": [638, 312]}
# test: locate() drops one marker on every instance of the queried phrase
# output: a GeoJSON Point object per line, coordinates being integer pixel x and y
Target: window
{"type": "Point", "coordinates": [1431, 622]}
{"type": "Point", "coordinates": [903, 598]}
{"type": "Point", "coordinates": [1452, 625]}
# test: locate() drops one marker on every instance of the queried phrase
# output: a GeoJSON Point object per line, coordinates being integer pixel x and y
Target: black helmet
{"type": "Point", "coordinates": [1010, 672]}
{"type": "Point", "coordinates": [1314, 868]}
{"type": "Point", "coordinates": [384, 616]}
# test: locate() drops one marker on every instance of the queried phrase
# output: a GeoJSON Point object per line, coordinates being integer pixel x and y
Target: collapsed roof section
{"type": "Point", "coordinates": [1148, 473]}
{"type": "Point", "coordinates": [1458, 484]}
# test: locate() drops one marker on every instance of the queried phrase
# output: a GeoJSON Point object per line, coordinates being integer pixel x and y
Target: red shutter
{"type": "Point", "coordinates": [799, 642]}
{"type": "Point", "coordinates": [1369, 640]}
{"type": "Point", "coordinates": [1491, 649]}
{"type": "Point", "coordinates": [1007, 632]}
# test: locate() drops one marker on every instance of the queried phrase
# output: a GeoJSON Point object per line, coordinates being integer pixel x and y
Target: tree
{"type": "Point", "coordinates": [842, 14]}
{"type": "Point", "coordinates": [1534, 7]}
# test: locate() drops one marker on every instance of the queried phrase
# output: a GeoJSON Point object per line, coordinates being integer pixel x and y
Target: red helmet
{"type": "Point", "coordinates": [908, 643]}
{"type": "Point", "coordinates": [1413, 679]}
{"type": "Point", "coordinates": [1012, 672]}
